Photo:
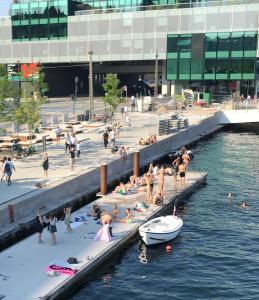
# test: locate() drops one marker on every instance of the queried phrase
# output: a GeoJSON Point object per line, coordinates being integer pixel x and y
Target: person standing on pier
{"type": "Point", "coordinates": [67, 220]}
{"type": "Point", "coordinates": [52, 221]}
{"type": "Point", "coordinates": [182, 171]}
{"type": "Point", "coordinates": [161, 180]}
{"type": "Point", "coordinates": [176, 164]}
{"type": "Point", "coordinates": [39, 226]}
{"type": "Point", "coordinates": [149, 182]}
{"type": "Point", "coordinates": [186, 159]}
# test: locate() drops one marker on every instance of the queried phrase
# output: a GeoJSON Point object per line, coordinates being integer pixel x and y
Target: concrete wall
{"type": "Point", "coordinates": [85, 183]}
{"type": "Point", "coordinates": [238, 116]}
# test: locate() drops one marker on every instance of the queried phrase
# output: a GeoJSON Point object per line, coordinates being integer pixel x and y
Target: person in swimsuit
{"type": "Point", "coordinates": [67, 220]}
{"type": "Point", "coordinates": [182, 170]}
{"type": "Point", "coordinates": [176, 164]}
{"type": "Point", "coordinates": [115, 211]}
{"type": "Point", "coordinates": [149, 182]}
{"type": "Point", "coordinates": [186, 159]}
{"type": "Point", "coordinates": [120, 189]}
{"type": "Point", "coordinates": [128, 219]}
{"type": "Point", "coordinates": [161, 180]}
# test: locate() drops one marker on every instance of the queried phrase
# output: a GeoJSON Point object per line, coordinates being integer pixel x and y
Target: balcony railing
{"type": "Point", "coordinates": [188, 4]}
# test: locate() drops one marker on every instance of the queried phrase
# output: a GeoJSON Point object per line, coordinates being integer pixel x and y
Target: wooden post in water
{"type": "Point", "coordinates": [136, 164]}
{"type": "Point", "coordinates": [103, 179]}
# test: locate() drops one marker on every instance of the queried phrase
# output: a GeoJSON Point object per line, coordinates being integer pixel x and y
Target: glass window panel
{"type": "Point", "coordinates": [211, 42]}
{"type": "Point", "coordinates": [196, 68]}
{"type": "Point", "coordinates": [223, 41]}
{"type": "Point", "coordinates": [249, 66]}
{"type": "Point", "coordinates": [235, 69]}
{"type": "Point", "coordinates": [250, 41]}
{"type": "Point", "coordinates": [184, 68]}
{"type": "Point", "coordinates": [184, 43]}
{"type": "Point", "coordinates": [209, 68]}
{"type": "Point", "coordinates": [222, 68]}
{"type": "Point", "coordinates": [172, 66]}
{"type": "Point", "coordinates": [172, 43]}
{"type": "Point", "coordinates": [237, 46]}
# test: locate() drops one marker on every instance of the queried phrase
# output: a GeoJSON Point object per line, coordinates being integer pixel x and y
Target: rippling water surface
{"type": "Point", "coordinates": [216, 256]}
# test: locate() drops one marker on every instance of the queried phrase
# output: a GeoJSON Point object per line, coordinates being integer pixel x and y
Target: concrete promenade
{"type": "Point", "coordinates": [29, 172]}
{"type": "Point", "coordinates": [22, 266]}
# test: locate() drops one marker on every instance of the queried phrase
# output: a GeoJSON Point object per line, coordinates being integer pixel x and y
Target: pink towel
{"type": "Point", "coordinates": [103, 234]}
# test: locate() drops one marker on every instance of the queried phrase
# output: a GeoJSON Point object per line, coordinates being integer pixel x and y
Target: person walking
{"type": "Point", "coordinates": [3, 167]}
{"type": "Point", "coordinates": [8, 170]}
{"type": "Point", "coordinates": [67, 142]}
{"type": "Point", "coordinates": [58, 132]}
{"type": "Point", "coordinates": [112, 136]}
{"type": "Point", "coordinates": [117, 129]}
{"type": "Point", "coordinates": [72, 157]}
{"type": "Point", "coordinates": [45, 165]}
{"type": "Point", "coordinates": [52, 221]}
{"type": "Point", "coordinates": [105, 139]}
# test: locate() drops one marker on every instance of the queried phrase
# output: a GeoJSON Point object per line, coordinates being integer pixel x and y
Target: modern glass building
{"type": "Point", "coordinates": [203, 45]}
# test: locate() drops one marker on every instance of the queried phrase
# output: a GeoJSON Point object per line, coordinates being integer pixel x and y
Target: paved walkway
{"type": "Point", "coordinates": [29, 172]}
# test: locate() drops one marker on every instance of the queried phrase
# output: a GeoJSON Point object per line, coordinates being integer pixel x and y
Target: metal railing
{"type": "Point", "coordinates": [188, 4]}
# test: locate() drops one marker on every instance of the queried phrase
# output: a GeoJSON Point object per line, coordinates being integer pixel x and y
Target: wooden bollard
{"type": "Point", "coordinates": [136, 164]}
{"type": "Point", "coordinates": [11, 213]}
{"type": "Point", "coordinates": [103, 179]}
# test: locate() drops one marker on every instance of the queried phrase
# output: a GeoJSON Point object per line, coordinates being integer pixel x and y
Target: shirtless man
{"type": "Point", "coordinates": [186, 158]}
{"type": "Point", "coordinates": [182, 171]}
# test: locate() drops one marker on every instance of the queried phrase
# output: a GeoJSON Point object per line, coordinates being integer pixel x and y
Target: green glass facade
{"type": "Point", "coordinates": [212, 56]}
{"type": "Point", "coordinates": [39, 20]}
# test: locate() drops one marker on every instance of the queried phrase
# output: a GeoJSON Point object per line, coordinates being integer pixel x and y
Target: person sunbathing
{"type": "Point", "coordinates": [128, 218]}
{"type": "Point", "coordinates": [141, 142]}
{"type": "Point", "coordinates": [153, 139]}
{"type": "Point", "coordinates": [120, 189]}
{"type": "Point", "coordinates": [115, 211]}
{"type": "Point", "coordinates": [133, 180]}
{"type": "Point", "coordinates": [96, 212]}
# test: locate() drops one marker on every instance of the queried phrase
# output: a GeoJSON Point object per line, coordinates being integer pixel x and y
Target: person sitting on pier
{"type": "Point", "coordinates": [158, 199]}
{"type": "Point", "coordinates": [153, 139]}
{"type": "Point", "coordinates": [141, 142]}
{"type": "Point", "coordinates": [128, 218]}
{"type": "Point", "coordinates": [133, 180]}
{"type": "Point", "coordinates": [120, 189]}
{"type": "Point", "coordinates": [115, 211]}
{"type": "Point", "coordinates": [96, 212]}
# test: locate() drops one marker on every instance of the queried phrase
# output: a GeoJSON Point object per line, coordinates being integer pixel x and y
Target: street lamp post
{"type": "Point", "coordinates": [156, 80]}
{"type": "Point", "coordinates": [91, 96]}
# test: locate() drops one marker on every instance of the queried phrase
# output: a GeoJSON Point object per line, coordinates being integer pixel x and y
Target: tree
{"type": "Point", "coordinates": [7, 89]}
{"type": "Point", "coordinates": [28, 112]}
{"type": "Point", "coordinates": [112, 91]}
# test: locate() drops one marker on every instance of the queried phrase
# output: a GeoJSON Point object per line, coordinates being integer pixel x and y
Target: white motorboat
{"type": "Point", "coordinates": [160, 229]}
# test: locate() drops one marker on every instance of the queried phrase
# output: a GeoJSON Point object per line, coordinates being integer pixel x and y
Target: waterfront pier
{"type": "Point", "coordinates": [23, 266]}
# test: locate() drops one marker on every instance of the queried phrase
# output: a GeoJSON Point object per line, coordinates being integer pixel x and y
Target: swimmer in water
{"type": "Point", "coordinates": [244, 205]}
{"type": "Point", "coordinates": [230, 195]}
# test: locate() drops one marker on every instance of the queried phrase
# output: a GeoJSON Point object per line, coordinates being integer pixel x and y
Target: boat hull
{"type": "Point", "coordinates": [152, 237]}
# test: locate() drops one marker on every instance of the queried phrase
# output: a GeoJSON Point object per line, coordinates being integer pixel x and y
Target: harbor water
{"type": "Point", "coordinates": [216, 254]}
